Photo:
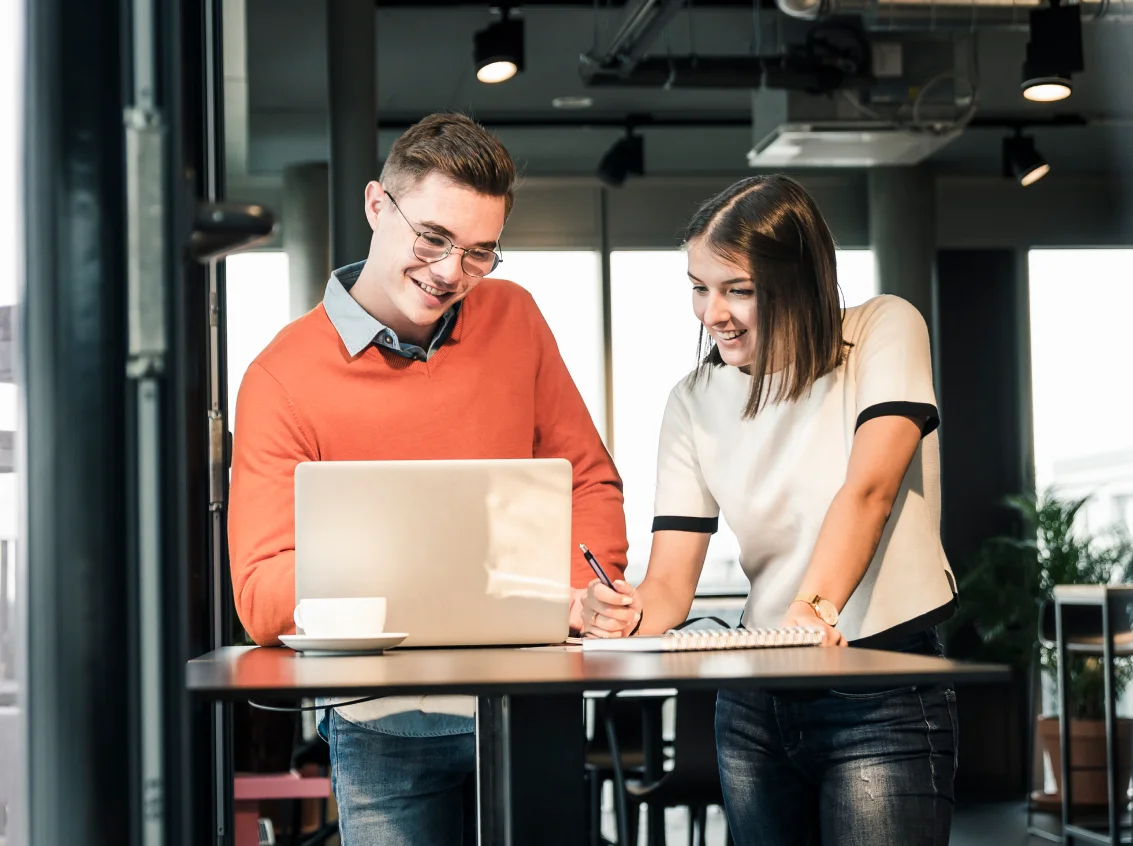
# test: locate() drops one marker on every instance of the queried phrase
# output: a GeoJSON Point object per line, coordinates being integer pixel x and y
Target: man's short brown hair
{"type": "Point", "coordinates": [456, 147]}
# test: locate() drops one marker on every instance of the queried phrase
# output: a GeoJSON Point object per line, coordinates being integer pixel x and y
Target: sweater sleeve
{"type": "Point", "coordinates": [268, 442]}
{"type": "Point", "coordinates": [564, 429]}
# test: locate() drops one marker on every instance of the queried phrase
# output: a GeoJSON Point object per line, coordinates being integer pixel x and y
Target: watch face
{"type": "Point", "coordinates": [827, 612]}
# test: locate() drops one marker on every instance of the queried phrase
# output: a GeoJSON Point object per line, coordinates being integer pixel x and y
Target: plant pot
{"type": "Point", "coordinates": [1089, 786]}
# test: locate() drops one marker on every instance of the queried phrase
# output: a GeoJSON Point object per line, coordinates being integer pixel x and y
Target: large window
{"type": "Point", "coordinates": [567, 287]}
{"type": "Point", "coordinates": [1080, 306]}
{"type": "Point", "coordinates": [655, 338]}
{"type": "Point", "coordinates": [654, 345]}
{"type": "Point", "coordinates": [257, 306]}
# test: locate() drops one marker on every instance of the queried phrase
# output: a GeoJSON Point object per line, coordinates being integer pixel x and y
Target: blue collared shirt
{"type": "Point", "coordinates": [358, 328]}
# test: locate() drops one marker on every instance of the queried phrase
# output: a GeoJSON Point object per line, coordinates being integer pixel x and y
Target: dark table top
{"type": "Point", "coordinates": [235, 672]}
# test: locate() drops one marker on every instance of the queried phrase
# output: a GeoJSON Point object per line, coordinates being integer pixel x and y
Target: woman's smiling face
{"type": "Point", "coordinates": [723, 299]}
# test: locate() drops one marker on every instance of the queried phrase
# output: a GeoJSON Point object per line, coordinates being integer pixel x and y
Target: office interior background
{"type": "Point", "coordinates": [1007, 221]}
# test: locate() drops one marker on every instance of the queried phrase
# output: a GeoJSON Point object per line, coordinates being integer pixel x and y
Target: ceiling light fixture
{"type": "Point", "coordinates": [625, 158]}
{"type": "Point", "coordinates": [1054, 52]}
{"type": "Point", "coordinates": [1022, 161]}
{"type": "Point", "coordinates": [498, 49]}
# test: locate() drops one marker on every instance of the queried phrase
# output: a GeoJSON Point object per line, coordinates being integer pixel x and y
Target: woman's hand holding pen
{"type": "Point", "coordinates": [610, 612]}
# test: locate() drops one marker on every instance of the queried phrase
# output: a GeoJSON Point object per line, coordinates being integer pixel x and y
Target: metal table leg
{"type": "Point", "coordinates": [493, 775]}
{"type": "Point", "coordinates": [1063, 718]}
{"type": "Point", "coordinates": [654, 769]}
{"type": "Point", "coordinates": [1116, 791]}
{"type": "Point", "coordinates": [530, 770]}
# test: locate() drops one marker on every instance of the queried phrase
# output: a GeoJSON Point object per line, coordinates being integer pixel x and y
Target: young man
{"type": "Point", "coordinates": [413, 354]}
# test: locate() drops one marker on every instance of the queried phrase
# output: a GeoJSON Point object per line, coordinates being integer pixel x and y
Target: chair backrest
{"type": "Point", "coordinates": [694, 742]}
{"type": "Point", "coordinates": [627, 720]}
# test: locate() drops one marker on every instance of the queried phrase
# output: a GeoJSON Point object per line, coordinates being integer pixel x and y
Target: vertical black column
{"type": "Point", "coordinates": [984, 374]}
{"type": "Point", "coordinates": [73, 345]}
{"type": "Point", "coordinates": [983, 388]}
{"type": "Point", "coordinates": [352, 96]}
{"type": "Point", "coordinates": [306, 232]}
{"type": "Point", "coordinates": [197, 595]}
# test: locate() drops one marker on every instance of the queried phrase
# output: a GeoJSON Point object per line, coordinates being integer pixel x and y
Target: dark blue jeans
{"type": "Point", "coordinates": [840, 768]}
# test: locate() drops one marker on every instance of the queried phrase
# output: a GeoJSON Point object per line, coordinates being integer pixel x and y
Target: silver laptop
{"type": "Point", "coordinates": [466, 553]}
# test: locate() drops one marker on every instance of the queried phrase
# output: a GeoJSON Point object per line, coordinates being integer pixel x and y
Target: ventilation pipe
{"type": "Point", "coordinates": [941, 13]}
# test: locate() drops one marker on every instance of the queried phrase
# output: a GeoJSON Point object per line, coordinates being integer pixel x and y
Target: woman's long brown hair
{"type": "Point", "coordinates": [772, 226]}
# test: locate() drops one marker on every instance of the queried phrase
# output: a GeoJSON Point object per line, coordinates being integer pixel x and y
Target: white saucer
{"type": "Point", "coordinates": [311, 644]}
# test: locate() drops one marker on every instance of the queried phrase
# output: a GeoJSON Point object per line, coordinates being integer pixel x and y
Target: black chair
{"type": "Point", "coordinates": [627, 718]}
{"type": "Point", "coordinates": [314, 751]}
{"type": "Point", "coordinates": [693, 782]}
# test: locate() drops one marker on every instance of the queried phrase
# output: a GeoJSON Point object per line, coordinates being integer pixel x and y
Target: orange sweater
{"type": "Point", "coordinates": [497, 388]}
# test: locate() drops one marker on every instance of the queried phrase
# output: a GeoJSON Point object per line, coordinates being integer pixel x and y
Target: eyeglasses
{"type": "Point", "coordinates": [432, 247]}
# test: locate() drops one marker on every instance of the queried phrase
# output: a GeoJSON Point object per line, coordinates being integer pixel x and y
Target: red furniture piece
{"type": "Point", "coordinates": [250, 788]}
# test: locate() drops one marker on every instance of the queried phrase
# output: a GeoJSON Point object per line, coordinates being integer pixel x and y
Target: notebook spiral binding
{"type": "Point", "coordinates": [742, 638]}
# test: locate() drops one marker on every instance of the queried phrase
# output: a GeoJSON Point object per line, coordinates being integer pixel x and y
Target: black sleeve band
{"type": "Point", "coordinates": [708, 525]}
{"type": "Point", "coordinates": [921, 410]}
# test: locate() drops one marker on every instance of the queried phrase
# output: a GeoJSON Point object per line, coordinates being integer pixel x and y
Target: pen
{"type": "Point", "coordinates": [596, 567]}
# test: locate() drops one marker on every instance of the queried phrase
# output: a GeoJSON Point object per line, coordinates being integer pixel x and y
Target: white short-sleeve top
{"type": "Point", "coordinates": [774, 476]}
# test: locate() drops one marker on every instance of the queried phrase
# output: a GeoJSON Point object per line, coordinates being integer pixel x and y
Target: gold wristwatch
{"type": "Point", "coordinates": [823, 607]}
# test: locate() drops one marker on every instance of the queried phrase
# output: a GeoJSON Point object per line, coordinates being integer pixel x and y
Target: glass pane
{"type": "Point", "coordinates": [1080, 306]}
{"type": "Point", "coordinates": [650, 299]}
{"type": "Point", "coordinates": [857, 276]}
{"type": "Point", "coordinates": [12, 600]}
{"type": "Point", "coordinates": [567, 286]}
{"type": "Point", "coordinates": [257, 303]}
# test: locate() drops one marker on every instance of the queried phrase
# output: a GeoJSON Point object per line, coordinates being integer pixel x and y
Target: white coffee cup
{"type": "Point", "coordinates": [346, 617]}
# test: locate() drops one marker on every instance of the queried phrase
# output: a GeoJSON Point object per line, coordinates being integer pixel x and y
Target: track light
{"type": "Point", "coordinates": [1053, 53]}
{"type": "Point", "coordinates": [1022, 161]}
{"type": "Point", "coordinates": [498, 49]}
{"type": "Point", "coordinates": [626, 157]}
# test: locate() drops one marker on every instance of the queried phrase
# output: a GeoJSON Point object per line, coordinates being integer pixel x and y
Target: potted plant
{"type": "Point", "coordinates": [1001, 599]}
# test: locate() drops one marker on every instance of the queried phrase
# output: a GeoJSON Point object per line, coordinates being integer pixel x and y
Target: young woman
{"type": "Point", "coordinates": [812, 429]}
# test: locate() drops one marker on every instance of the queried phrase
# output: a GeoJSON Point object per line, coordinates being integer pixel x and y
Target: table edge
{"type": "Point", "coordinates": [969, 674]}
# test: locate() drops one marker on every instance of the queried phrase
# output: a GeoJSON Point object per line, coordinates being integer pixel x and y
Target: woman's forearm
{"type": "Point", "coordinates": [846, 544]}
{"type": "Point", "coordinates": [663, 605]}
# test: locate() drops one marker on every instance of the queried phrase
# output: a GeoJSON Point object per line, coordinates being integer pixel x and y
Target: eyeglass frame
{"type": "Point", "coordinates": [497, 251]}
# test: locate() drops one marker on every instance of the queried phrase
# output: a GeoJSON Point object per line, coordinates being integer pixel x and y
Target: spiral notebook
{"type": "Point", "coordinates": [706, 639]}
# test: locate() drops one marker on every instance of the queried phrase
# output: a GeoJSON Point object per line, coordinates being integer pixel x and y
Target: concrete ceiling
{"type": "Point", "coordinates": [277, 111]}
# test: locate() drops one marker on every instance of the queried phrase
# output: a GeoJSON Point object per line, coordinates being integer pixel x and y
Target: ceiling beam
{"type": "Point", "coordinates": [398, 122]}
{"type": "Point", "coordinates": [637, 121]}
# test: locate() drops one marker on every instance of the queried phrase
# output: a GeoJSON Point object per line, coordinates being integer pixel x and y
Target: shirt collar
{"type": "Point", "coordinates": [358, 328]}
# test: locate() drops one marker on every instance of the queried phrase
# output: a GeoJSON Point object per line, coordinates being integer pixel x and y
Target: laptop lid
{"type": "Point", "coordinates": [466, 552]}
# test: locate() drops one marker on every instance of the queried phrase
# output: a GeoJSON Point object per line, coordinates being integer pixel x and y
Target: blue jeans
{"type": "Point", "coordinates": [853, 768]}
{"type": "Point", "coordinates": [403, 780]}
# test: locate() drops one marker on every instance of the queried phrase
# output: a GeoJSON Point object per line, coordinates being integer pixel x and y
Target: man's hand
{"type": "Point", "coordinates": [576, 597]}
{"type": "Point", "coordinates": [803, 614]}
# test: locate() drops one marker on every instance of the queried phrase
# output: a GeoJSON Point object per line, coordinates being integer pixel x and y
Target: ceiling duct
{"type": "Point", "coordinates": [642, 22]}
{"type": "Point", "coordinates": [793, 72]}
{"type": "Point", "coordinates": [915, 14]}
{"type": "Point", "coordinates": [834, 54]}
{"type": "Point", "coordinates": [793, 129]}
